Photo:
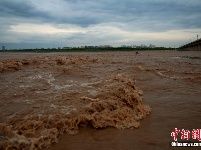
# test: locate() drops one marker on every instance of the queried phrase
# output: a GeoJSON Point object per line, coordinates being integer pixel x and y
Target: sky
{"type": "Point", "coordinates": [74, 23]}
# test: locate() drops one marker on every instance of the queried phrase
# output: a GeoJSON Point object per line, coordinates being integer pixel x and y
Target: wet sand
{"type": "Point", "coordinates": [42, 93]}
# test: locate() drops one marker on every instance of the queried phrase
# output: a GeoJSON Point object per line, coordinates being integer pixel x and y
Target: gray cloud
{"type": "Point", "coordinates": [127, 15]}
{"type": "Point", "coordinates": [19, 8]}
{"type": "Point", "coordinates": [89, 12]}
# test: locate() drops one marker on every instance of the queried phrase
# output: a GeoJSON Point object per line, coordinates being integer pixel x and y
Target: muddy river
{"type": "Point", "coordinates": [103, 100]}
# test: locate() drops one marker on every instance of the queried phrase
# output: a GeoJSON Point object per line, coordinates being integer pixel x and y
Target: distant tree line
{"type": "Point", "coordinates": [74, 49]}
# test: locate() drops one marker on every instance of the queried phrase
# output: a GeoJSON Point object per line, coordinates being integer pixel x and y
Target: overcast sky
{"type": "Point", "coordinates": [58, 23]}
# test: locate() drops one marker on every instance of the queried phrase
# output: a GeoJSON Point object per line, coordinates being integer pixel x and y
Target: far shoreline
{"type": "Point", "coordinates": [118, 49]}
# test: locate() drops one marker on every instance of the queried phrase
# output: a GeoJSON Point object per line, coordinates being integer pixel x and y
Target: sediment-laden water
{"type": "Point", "coordinates": [111, 100]}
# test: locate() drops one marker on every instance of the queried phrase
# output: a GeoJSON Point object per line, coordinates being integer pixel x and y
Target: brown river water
{"type": "Point", "coordinates": [105, 100]}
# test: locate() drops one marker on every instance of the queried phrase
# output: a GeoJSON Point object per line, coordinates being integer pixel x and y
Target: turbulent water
{"type": "Point", "coordinates": [81, 100]}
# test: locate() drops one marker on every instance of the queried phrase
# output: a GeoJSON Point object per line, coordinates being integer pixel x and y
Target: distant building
{"type": "Point", "coordinates": [89, 47]}
{"type": "Point", "coordinates": [105, 46]}
{"type": "Point", "coordinates": [152, 46]}
{"type": "Point", "coordinates": [3, 48]}
{"type": "Point", "coordinates": [143, 46]}
{"type": "Point", "coordinates": [67, 48]}
{"type": "Point", "coordinates": [134, 46]}
{"type": "Point", "coordinates": [124, 46]}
